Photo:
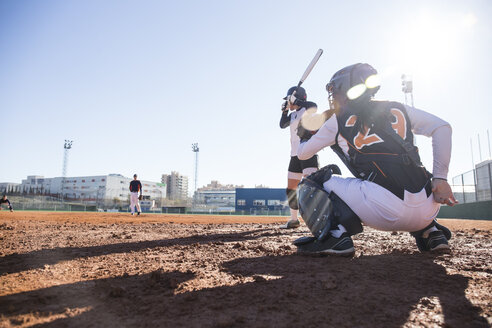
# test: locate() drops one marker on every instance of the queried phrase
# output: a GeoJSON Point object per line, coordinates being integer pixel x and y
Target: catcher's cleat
{"type": "Point", "coordinates": [436, 241]}
{"type": "Point", "coordinates": [342, 246]}
{"type": "Point", "coordinates": [445, 230]}
{"type": "Point", "coordinates": [304, 240]}
{"type": "Point", "coordinates": [291, 224]}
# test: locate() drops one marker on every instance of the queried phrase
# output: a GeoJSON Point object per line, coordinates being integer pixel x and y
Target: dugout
{"type": "Point", "coordinates": [174, 209]}
{"type": "Point", "coordinates": [81, 207]}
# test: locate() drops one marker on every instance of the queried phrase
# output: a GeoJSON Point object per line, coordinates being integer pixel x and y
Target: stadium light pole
{"type": "Point", "coordinates": [196, 150]}
{"type": "Point", "coordinates": [67, 146]}
{"type": "Point", "coordinates": [407, 88]}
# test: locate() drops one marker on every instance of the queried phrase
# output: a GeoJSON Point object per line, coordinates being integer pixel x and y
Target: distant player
{"type": "Point", "coordinates": [135, 190]}
{"type": "Point", "coordinates": [392, 190]}
{"type": "Point", "coordinates": [296, 102]}
{"type": "Point", "coordinates": [4, 200]}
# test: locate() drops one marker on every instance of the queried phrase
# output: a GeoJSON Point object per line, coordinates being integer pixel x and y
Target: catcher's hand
{"type": "Point", "coordinates": [140, 197]}
{"type": "Point", "coordinates": [443, 193]}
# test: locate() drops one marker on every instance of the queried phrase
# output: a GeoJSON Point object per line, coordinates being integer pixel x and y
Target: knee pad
{"type": "Point", "coordinates": [292, 198]}
{"type": "Point", "coordinates": [324, 174]}
{"type": "Point", "coordinates": [323, 212]}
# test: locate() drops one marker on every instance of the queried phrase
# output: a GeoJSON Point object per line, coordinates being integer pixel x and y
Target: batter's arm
{"type": "Point", "coordinates": [284, 120]}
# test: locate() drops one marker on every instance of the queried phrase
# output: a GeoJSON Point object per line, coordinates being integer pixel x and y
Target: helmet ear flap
{"type": "Point", "coordinates": [296, 95]}
{"type": "Point", "coordinates": [294, 100]}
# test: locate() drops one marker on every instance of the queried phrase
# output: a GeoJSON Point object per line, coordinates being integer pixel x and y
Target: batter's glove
{"type": "Point", "coordinates": [140, 197]}
{"type": "Point", "coordinates": [284, 106]}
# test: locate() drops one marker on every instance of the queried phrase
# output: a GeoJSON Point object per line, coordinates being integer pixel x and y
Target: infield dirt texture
{"type": "Point", "coordinates": [114, 270]}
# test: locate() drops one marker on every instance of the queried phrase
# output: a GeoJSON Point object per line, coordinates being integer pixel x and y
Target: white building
{"type": "Point", "coordinates": [107, 189]}
{"type": "Point", "coordinates": [217, 196]}
{"type": "Point", "coordinates": [177, 185]}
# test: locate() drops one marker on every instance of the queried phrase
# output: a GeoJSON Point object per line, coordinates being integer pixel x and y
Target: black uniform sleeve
{"type": "Point", "coordinates": [140, 185]}
{"type": "Point", "coordinates": [284, 120]}
{"type": "Point", "coordinates": [309, 104]}
{"type": "Point", "coordinates": [8, 204]}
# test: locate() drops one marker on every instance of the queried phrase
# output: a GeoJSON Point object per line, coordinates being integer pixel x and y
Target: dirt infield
{"type": "Point", "coordinates": [115, 270]}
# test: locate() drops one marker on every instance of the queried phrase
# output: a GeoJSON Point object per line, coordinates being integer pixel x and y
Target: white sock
{"type": "Point", "coordinates": [426, 233]}
{"type": "Point", "coordinates": [293, 215]}
{"type": "Point", "coordinates": [338, 232]}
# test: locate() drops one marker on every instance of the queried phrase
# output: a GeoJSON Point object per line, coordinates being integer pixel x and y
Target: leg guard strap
{"type": "Point", "coordinates": [345, 216]}
{"type": "Point", "coordinates": [292, 198]}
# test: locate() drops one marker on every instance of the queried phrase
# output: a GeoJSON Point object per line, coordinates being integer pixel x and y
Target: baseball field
{"type": "Point", "coordinates": [114, 270]}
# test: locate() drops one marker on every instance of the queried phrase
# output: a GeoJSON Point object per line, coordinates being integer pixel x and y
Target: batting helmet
{"type": "Point", "coordinates": [298, 98]}
{"type": "Point", "coordinates": [354, 83]}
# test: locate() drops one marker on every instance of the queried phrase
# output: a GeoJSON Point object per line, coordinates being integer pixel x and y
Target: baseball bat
{"type": "Point", "coordinates": [307, 71]}
{"type": "Point", "coordinates": [310, 67]}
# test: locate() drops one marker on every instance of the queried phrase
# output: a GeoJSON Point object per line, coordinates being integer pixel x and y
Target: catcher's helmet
{"type": "Point", "coordinates": [354, 83]}
{"type": "Point", "coordinates": [298, 98]}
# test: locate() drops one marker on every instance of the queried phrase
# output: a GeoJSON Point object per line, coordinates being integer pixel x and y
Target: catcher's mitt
{"type": "Point", "coordinates": [140, 197]}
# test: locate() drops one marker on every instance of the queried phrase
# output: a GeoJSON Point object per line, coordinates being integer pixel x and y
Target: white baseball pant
{"type": "Point", "coordinates": [377, 207]}
{"type": "Point", "coordinates": [134, 202]}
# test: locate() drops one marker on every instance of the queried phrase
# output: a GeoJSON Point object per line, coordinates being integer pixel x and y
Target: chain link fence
{"type": "Point", "coordinates": [473, 186]}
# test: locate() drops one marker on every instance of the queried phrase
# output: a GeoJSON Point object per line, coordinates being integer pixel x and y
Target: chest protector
{"type": "Point", "coordinates": [380, 147]}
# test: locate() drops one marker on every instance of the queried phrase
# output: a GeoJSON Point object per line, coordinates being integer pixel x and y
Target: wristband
{"type": "Point", "coordinates": [440, 179]}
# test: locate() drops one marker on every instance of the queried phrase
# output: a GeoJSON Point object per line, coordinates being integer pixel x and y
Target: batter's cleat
{"type": "Point", "coordinates": [342, 246]}
{"type": "Point", "coordinates": [291, 224]}
{"type": "Point", "coordinates": [138, 213]}
{"type": "Point", "coordinates": [132, 213]}
{"type": "Point", "coordinates": [436, 241]}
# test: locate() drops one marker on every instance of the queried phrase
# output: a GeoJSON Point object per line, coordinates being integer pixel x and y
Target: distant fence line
{"type": "Point", "coordinates": [473, 186]}
{"type": "Point", "coordinates": [47, 203]}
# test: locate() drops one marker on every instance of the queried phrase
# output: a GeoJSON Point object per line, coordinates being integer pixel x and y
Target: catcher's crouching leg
{"type": "Point", "coordinates": [321, 211]}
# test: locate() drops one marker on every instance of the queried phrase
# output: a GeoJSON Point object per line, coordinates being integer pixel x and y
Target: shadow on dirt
{"type": "Point", "coordinates": [38, 259]}
{"type": "Point", "coordinates": [387, 290]}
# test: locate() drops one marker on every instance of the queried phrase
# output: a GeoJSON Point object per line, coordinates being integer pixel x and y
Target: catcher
{"type": "Point", "coordinates": [135, 189]}
{"type": "Point", "coordinates": [4, 200]}
{"type": "Point", "coordinates": [391, 189]}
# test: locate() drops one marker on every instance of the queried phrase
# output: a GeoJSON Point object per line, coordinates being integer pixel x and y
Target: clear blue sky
{"type": "Point", "coordinates": [135, 83]}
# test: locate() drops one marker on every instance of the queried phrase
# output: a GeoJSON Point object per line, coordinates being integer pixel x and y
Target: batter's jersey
{"type": "Point", "coordinates": [135, 186]}
{"type": "Point", "coordinates": [293, 120]}
{"type": "Point", "coordinates": [372, 154]}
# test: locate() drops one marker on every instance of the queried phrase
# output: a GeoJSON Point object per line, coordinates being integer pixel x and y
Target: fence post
{"type": "Point", "coordinates": [490, 180]}
{"type": "Point", "coordinates": [463, 188]}
{"type": "Point", "coordinates": [475, 182]}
